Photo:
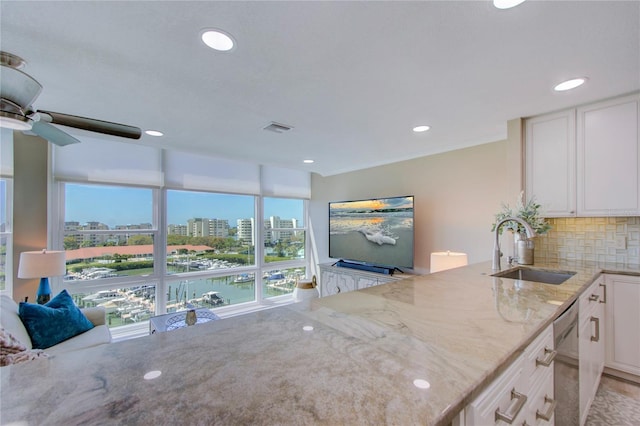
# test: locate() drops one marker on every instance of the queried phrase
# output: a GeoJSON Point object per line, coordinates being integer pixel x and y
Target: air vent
{"type": "Point", "coordinates": [278, 127]}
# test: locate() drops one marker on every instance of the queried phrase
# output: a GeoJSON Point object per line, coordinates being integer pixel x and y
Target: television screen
{"type": "Point", "coordinates": [377, 231]}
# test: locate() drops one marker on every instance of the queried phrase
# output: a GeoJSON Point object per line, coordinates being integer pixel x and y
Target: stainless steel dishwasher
{"type": "Point", "coordinates": [566, 386]}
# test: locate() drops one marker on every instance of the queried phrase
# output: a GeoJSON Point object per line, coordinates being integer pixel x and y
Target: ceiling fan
{"type": "Point", "coordinates": [19, 90]}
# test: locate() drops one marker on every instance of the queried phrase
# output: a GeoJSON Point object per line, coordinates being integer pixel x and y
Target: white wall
{"type": "Point", "coordinates": [456, 196]}
{"type": "Point", "coordinates": [30, 155]}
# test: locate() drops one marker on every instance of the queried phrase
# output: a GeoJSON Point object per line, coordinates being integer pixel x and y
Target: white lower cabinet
{"type": "Point", "coordinates": [523, 393]}
{"type": "Point", "coordinates": [591, 338]}
{"type": "Point", "coordinates": [623, 323]}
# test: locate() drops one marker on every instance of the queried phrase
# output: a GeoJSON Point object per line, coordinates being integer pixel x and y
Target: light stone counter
{"type": "Point", "coordinates": [456, 329]}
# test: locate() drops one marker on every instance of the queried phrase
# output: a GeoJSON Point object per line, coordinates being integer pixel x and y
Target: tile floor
{"type": "Point", "coordinates": [617, 403]}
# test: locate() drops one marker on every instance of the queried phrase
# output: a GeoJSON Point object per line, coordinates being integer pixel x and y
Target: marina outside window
{"type": "Point", "coordinates": [123, 306]}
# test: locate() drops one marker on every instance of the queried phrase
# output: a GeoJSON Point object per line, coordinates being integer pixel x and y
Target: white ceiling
{"type": "Point", "coordinates": [352, 78]}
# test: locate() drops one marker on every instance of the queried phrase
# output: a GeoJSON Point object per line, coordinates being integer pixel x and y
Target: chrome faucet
{"type": "Point", "coordinates": [496, 245]}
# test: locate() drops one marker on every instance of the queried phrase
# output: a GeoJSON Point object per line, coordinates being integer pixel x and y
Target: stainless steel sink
{"type": "Point", "coordinates": [536, 275]}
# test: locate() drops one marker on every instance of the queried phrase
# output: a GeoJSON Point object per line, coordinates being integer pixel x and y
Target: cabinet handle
{"type": "Point", "coordinates": [514, 409]}
{"type": "Point", "coordinates": [550, 355]}
{"type": "Point", "coordinates": [552, 407]}
{"type": "Point", "coordinates": [594, 298]}
{"type": "Point", "coordinates": [596, 338]}
{"type": "Point", "coordinates": [604, 293]}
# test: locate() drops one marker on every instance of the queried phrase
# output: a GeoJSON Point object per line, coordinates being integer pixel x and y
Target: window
{"type": "Point", "coordinates": [284, 243]}
{"type": "Point", "coordinates": [210, 234]}
{"type": "Point", "coordinates": [108, 232]}
{"type": "Point", "coordinates": [5, 236]}
{"type": "Point", "coordinates": [6, 211]}
{"type": "Point", "coordinates": [284, 231]}
{"type": "Point", "coordinates": [149, 231]}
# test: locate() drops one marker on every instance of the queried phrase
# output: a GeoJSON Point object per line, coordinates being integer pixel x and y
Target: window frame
{"type": "Point", "coordinates": [8, 234]}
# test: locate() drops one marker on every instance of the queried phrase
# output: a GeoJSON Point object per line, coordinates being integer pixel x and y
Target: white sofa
{"type": "Point", "coordinates": [98, 335]}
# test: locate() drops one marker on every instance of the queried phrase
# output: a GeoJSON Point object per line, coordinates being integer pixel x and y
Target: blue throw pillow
{"type": "Point", "coordinates": [54, 322]}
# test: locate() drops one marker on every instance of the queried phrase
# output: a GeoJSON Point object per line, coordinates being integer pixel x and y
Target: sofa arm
{"type": "Point", "coordinates": [97, 315]}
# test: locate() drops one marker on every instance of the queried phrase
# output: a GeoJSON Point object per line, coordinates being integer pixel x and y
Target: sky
{"type": "Point", "coordinates": [122, 205]}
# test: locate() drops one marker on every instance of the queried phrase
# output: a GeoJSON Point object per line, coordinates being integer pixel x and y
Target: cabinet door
{"type": "Point", "coordinates": [623, 323]}
{"type": "Point", "coordinates": [551, 162]}
{"type": "Point", "coordinates": [334, 283]}
{"type": "Point", "coordinates": [591, 344]}
{"type": "Point", "coordinates": [608, 158]}
{"type": "Point", "coordinates": [364, 282]}
{"type": "Point", "coordinates": [587, 366]}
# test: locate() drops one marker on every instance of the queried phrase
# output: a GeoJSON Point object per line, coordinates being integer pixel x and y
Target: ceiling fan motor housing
{"type": "Point", "coordinates": [18, 88]}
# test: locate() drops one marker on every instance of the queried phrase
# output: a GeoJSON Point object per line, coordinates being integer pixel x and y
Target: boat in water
{"type": "Point", "coordinates": [243, 278]}
{"type": "Point", "coordinates": [212, 298]}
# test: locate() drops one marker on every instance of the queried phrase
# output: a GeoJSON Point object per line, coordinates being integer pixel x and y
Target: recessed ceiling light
{"type": "Point", "coordinates": [419, 129]}
{"type": "Point", "coordinates": [308, 161]}
{"type": "Point", "coordinates": [154, 133]}
{"type": "Point", "coordinates": [218, 40]}
{"type": "Point", "coordinates": [570, 84]}
{"type": "Point", "coordinates": [506, 4]}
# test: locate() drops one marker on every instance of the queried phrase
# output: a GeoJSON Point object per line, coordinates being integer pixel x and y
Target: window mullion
{"type": "Point", "coordinates": [259, 246]}
{"type": "Point", "coordinates": [160, 248]}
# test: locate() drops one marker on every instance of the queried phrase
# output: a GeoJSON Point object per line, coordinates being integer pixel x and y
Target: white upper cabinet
{"type": "Point", "coordinates": [608, 158]}
{"type": "Point", "coordinates": [551, 162]}
{"type": "Point", "coordinates": [584, 162]}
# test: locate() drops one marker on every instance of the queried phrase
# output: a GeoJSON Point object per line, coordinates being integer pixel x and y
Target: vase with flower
{"type": "Point", "coordinates": [529, 211]}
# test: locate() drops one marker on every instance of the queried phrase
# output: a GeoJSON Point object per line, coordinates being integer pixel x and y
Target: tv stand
{"type": "Point", "coordinates": [335, 278]}
{"type": "Point", "coordinates": [364, 267]}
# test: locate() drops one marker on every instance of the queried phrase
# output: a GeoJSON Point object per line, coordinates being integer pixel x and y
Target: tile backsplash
{"type": "Point", "coordinates": [598, 239]}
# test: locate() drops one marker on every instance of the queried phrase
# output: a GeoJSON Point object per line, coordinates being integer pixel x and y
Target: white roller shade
{"type": "Point", "coordinates": [194, 171]}
{"type": "Point", "coordinates": [280, 182]}
{"type": "Point", "coordinates": [6, 152]}
{"type": "Point", "coordinates": [105, 161]}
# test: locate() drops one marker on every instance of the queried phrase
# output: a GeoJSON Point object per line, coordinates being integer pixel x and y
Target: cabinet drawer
{"type": "Point", "coordinates": [542, 402]}
{"type": "Point", "coordinates": [503, 396]}
{"type": "Point", "coordinates": [591, 299]}
{"type": "Point", "coordinates": [539, 357]}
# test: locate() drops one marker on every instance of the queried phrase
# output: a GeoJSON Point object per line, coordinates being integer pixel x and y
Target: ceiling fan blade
{"type": "Point", "coordinates": [93, 125]}
{"type": "Point", "coordinates": [52, 134]}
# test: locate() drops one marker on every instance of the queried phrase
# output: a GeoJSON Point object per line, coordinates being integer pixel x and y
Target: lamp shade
{"type": "Point", "coordinates": [441, 261]}
{"type": "Point", "coordinates": [42, 264]}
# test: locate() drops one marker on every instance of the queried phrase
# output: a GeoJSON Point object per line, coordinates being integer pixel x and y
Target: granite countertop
{"type": "Point", "coordinates": [456, 330]}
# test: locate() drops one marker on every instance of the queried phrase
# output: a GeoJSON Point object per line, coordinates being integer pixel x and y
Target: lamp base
{"type": "Point", "coordinates": [44, 291]}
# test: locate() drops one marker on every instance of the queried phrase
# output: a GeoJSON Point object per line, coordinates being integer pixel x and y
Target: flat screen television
{"type": "Point", "coordinates": [376, 231]}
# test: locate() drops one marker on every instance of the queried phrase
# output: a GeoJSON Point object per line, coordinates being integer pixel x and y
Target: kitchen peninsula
{"type": "Point", "coordinates": [351, 358]}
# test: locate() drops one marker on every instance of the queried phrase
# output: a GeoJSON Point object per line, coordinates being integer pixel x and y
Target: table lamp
{"type": "Point", "coordinates": [441, 261]}
{"type": "Point", "coordinates": [42, 264]}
